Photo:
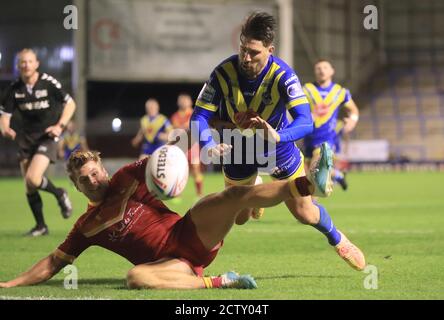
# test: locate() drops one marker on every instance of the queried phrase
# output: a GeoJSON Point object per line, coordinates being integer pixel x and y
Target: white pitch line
{"type": "Point", "coordinates": [49, 298]}
{"type": "Point", "coordinates": [298, 230]}
{"type": "Point", "coordinates": [381, 205]}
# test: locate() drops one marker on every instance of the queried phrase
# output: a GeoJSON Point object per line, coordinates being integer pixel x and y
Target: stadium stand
{"type": "Point", "coordinates": [406, 107]}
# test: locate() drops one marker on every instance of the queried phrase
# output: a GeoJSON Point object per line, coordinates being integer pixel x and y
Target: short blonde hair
{"type": "Point", "coordinates": [78, 158]}
{"type": "Point", "coordinates": [27, 50]}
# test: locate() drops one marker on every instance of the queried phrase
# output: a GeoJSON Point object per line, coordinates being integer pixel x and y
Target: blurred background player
{"type": "Point", "coordinates": [341, 164]}
{"type": "Point", "coordinates": [256, 89]}
{"type": "Point", "coordinates": [45, 109]}
{"type": "Point", "coordinates": [326, 99]}
{"type": "Point", "coordinates": [181, 120]}
{"type": "Point", "coordinates": [153, 131]}
{"type": "Point", "coordinates": [71, 141]}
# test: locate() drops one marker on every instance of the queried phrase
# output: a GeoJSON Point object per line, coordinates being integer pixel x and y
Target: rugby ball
{"type": "Point", "coordinates": [166, 172]}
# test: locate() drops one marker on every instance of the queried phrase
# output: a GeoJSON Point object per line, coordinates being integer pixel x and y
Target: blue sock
{"type": "Point", "coordinates": [326, 226]}
{"type": "Point", "coordinates": [337, 176]}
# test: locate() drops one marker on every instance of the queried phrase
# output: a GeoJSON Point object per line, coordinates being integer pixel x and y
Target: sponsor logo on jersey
{"type": "Point", "coordinates": [19, 95]}
{"type": "Point", "coordinates": [37, 105]}
{"type": "Point", "coordinates": [42, 148]}
{"type": "Point", "coordinates": [207, 93]}
{"type": "Point", "coordinates": [41, 93]}
{"type": "Point", "coordinates": [295, 90]}
{"type": "Point", "coordinates": [293, 77]}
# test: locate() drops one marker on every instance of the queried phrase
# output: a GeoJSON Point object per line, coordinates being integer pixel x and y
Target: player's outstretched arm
{"type": "Point", "coordinates": [42, 271]}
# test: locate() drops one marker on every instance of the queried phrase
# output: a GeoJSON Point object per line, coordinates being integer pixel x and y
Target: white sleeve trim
{"type": "Point", "coordinates": [5, 113]}
{"type": "Point", "coordinates": [68, 98]}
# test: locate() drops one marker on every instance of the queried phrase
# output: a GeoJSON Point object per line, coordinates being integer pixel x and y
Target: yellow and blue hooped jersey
{"type": "Point", "coordinates": [71, 143]}
{"type": "Point", "coordinates": [276, 90]}
{"type": "Point", "coordinates": [151, 128]}
{"type": "Point", "coordinates": [325, 104]}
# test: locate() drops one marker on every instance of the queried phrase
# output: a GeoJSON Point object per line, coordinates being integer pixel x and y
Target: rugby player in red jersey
{"type": "Point", "coordinates": [168, 251]}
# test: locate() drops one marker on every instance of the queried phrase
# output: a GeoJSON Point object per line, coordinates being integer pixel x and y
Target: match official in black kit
{"type": "Point", "coordinates": [45, 109]}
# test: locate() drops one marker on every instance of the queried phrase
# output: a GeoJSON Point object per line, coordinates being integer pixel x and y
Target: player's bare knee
{"type": "Point", "coordinates": [32, 181]}
{"type": "Point", "coordinates": [137, 278]}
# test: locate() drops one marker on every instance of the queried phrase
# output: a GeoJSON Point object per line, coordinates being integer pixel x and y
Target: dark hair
{"type": "Point", "coordinates": [323, 60]}
{"type": "Point", "coordinates": [259, 26]}
{"type": "Point", "coordinates": [183, 93]}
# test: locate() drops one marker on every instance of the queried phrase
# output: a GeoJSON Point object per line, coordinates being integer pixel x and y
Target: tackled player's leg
{"type": "Point", "coordinates": [212, 217]}
{"type": "Point", "coordinates": [173, 273]}
{"type": "Point", "coordinates": [242, 175]}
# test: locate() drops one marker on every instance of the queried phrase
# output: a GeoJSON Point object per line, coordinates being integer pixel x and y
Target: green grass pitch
{"type": "Point", "coordinates": [396, 218]}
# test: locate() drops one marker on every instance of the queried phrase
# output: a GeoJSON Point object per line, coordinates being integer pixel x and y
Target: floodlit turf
{"type": "Point", "coordinates": [396, 218]}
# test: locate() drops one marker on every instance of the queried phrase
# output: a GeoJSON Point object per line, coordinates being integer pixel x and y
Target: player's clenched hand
{"type": "Point", "coordinates": [9, 134]}
{"type": "Point", "coordinates": [221, 149]}
{"type": "Point", "coordinates": [265, 129]}
{"type": "Point", "coordinates": [54, 131]}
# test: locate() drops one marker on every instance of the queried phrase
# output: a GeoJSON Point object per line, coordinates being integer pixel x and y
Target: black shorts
{"type": "Point", "coordinates": [31, 144]}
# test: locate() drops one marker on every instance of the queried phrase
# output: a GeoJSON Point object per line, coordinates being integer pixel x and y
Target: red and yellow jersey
{"type": "Point", "coordinates": [181, 119]}
{"type": "Point", "coordinates": [130, 221]}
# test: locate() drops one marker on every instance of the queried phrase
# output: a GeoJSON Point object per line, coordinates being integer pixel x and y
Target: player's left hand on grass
{"type": "Point", "coordinates": [265, 129]}
{"type": "Point", "coordinates": [54, 131]}
{"type": "Point", "coordinates": [4, 285]}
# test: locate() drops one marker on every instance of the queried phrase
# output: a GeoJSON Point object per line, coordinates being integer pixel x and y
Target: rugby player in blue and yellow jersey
{"type": "Point", "coordinates": [326, 99]}
{"type": "Point", "coordinates": [71, 141]}
{"type": "Point", "coordinates": [154, 129]}
{"type": "Point", "coordinates": [254, 90]}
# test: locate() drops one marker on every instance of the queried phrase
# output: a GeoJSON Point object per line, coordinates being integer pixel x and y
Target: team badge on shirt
{"type": "Point", "coordinates": [295, 90]}
{"type": "Point", "coordinates": [207, 93]}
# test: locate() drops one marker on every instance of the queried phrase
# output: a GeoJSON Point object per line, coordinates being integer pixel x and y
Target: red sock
{"type": "Point", "coordinates": [216, 281]}
{"type": "Point", "coordinates": [212, 282]}
{"type": "Point", "coordinates": [199, 187]}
